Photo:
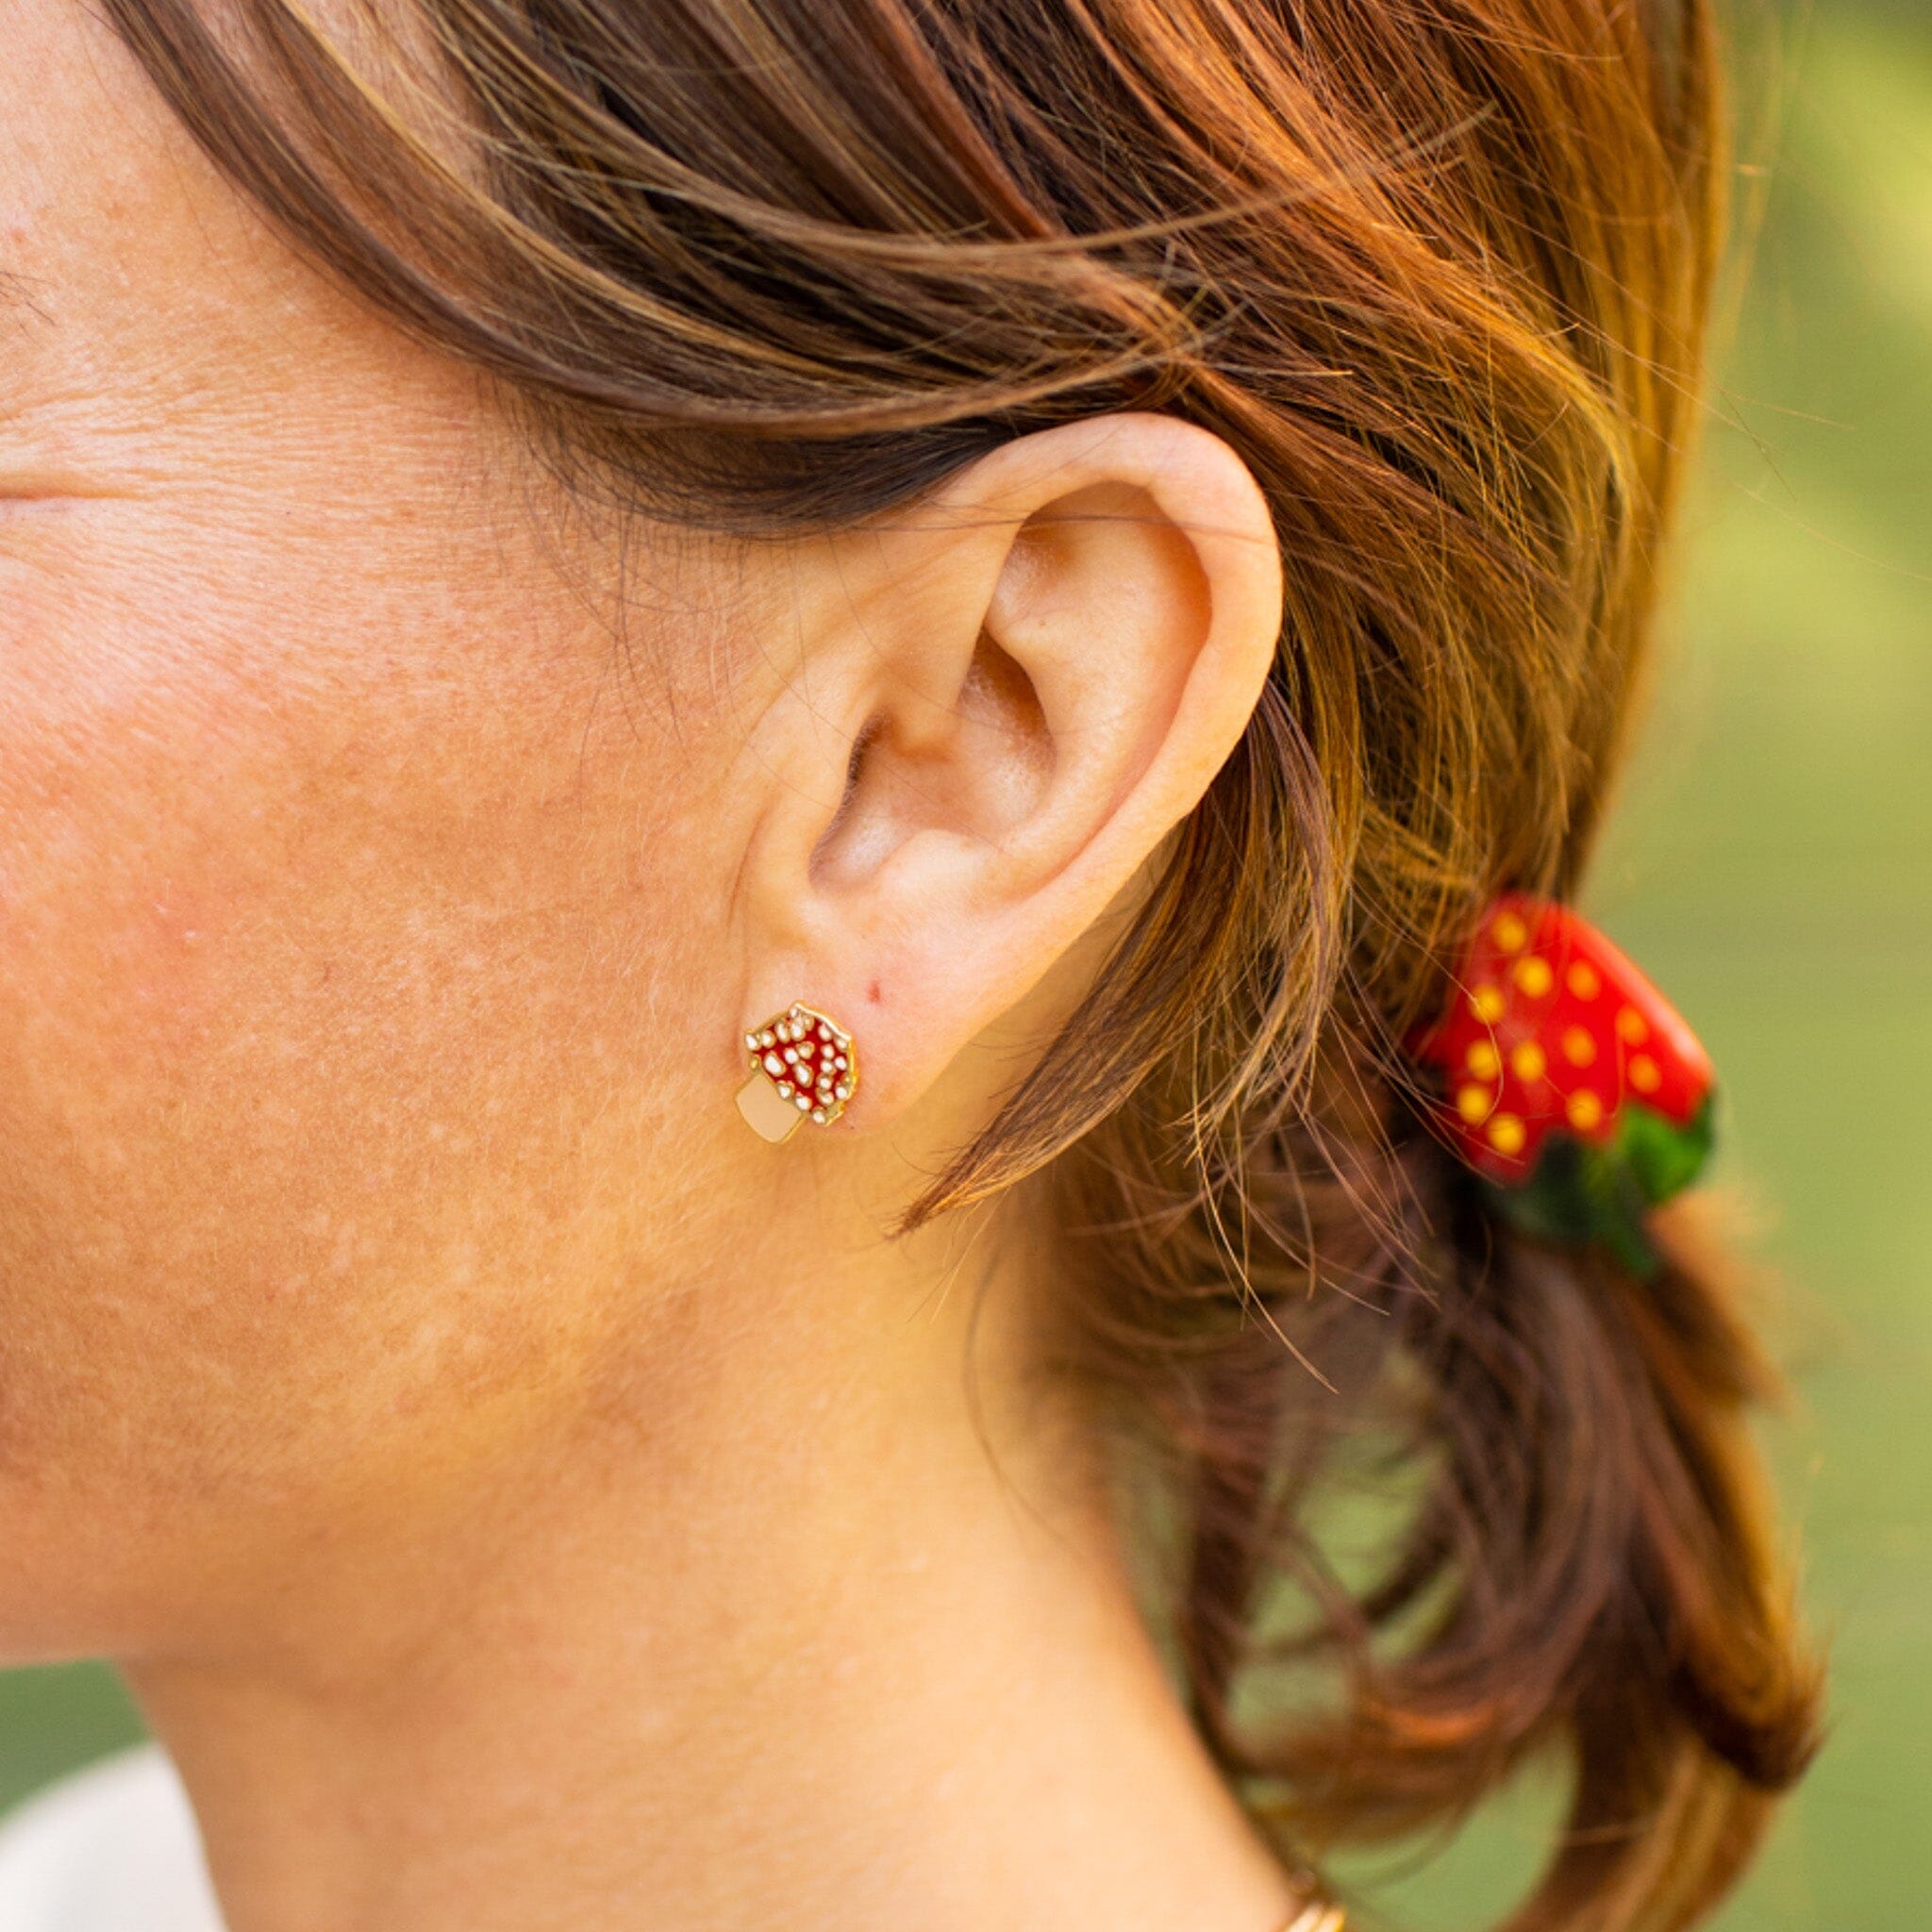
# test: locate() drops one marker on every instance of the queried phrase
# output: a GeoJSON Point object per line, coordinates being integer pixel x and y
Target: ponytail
{"type": "Point", "coordinates": [1586, 1570]}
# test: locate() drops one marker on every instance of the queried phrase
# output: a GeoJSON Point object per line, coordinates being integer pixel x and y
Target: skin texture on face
{"type": "Point", "coordinates": [368, 886]}
{"type": "Point", "coordinates": [518, 1495]}
{"type": "Point", "coordinates": [353, 878]}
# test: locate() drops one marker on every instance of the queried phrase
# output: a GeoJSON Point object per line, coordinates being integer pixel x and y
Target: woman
{"type": "Point", "coordinates": [546, 548]}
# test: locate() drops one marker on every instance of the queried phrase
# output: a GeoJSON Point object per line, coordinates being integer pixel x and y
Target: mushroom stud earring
{"type": "Point", "coordinates": [803, 1066]}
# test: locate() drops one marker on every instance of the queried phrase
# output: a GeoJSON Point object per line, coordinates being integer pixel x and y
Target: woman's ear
{"type": "Point", "coordinates": [1018, 690]}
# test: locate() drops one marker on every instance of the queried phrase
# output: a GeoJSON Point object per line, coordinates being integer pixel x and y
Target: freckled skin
{"type": "Point", "coordinates": [516, 1494]}
{"type": "Point", "coordinates": [342, 1000]}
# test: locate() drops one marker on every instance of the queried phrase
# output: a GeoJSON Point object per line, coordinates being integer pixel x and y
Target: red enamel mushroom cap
{"type": "Point", "coordinates": [1551, 1029]}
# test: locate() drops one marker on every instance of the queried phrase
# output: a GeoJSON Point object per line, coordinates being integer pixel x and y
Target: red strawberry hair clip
{"type": "Point", "coordinates": [1569, 1083]}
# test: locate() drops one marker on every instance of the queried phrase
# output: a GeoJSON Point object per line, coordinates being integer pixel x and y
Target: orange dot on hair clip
{"type": "Point", "coordinates": [1487, 1004]}
{"type": "Point", "coordinates": [1528, 1061]}
{"type": "Point", "coordinates": [1534, 976]}
{"type": "Point", "coordinates": [1580, 1049]}
{"type": "Point", "coordinates": [1509, 933]}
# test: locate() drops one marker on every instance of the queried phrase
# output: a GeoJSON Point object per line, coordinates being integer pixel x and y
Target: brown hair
{"type": "Point", "coordinates": [1439, 273]}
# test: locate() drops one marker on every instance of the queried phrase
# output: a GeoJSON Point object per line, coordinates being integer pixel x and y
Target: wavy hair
{"type": "Point", "coordinates": [1439, 271]}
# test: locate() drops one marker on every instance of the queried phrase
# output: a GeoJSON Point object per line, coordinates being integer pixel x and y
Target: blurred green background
{"type": "Point", "coordinates": [1771, 866]}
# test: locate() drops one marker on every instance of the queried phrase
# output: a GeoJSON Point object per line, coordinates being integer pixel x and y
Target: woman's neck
{"type": "Point", "coordinates": [775, 1636]}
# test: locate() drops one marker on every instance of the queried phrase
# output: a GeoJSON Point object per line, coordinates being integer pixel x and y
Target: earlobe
{"type": "Point", "coordinates": [1050, 659]}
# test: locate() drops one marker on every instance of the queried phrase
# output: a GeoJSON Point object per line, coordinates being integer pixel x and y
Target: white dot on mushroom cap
{"type": "Point", "coordinates": [774, 1064]}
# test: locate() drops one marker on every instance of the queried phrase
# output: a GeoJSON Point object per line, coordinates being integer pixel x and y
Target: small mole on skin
{"type": "Point", "coordinates": [874, 994]}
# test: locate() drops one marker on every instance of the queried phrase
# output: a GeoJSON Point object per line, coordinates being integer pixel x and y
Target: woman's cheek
{"type": "Point", "coordinates": [136, 821]}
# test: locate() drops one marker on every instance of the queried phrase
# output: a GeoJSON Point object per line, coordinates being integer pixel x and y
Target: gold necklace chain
{"type": "Point", "coordinates": [1316, 1916]}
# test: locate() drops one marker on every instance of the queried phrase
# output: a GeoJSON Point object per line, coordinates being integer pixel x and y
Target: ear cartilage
{"type": "Point", "coordinates": [803, 1066]}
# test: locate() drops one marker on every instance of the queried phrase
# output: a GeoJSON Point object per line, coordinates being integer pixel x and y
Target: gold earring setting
{"type": "Point", "coordinates": [803, 1066]}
